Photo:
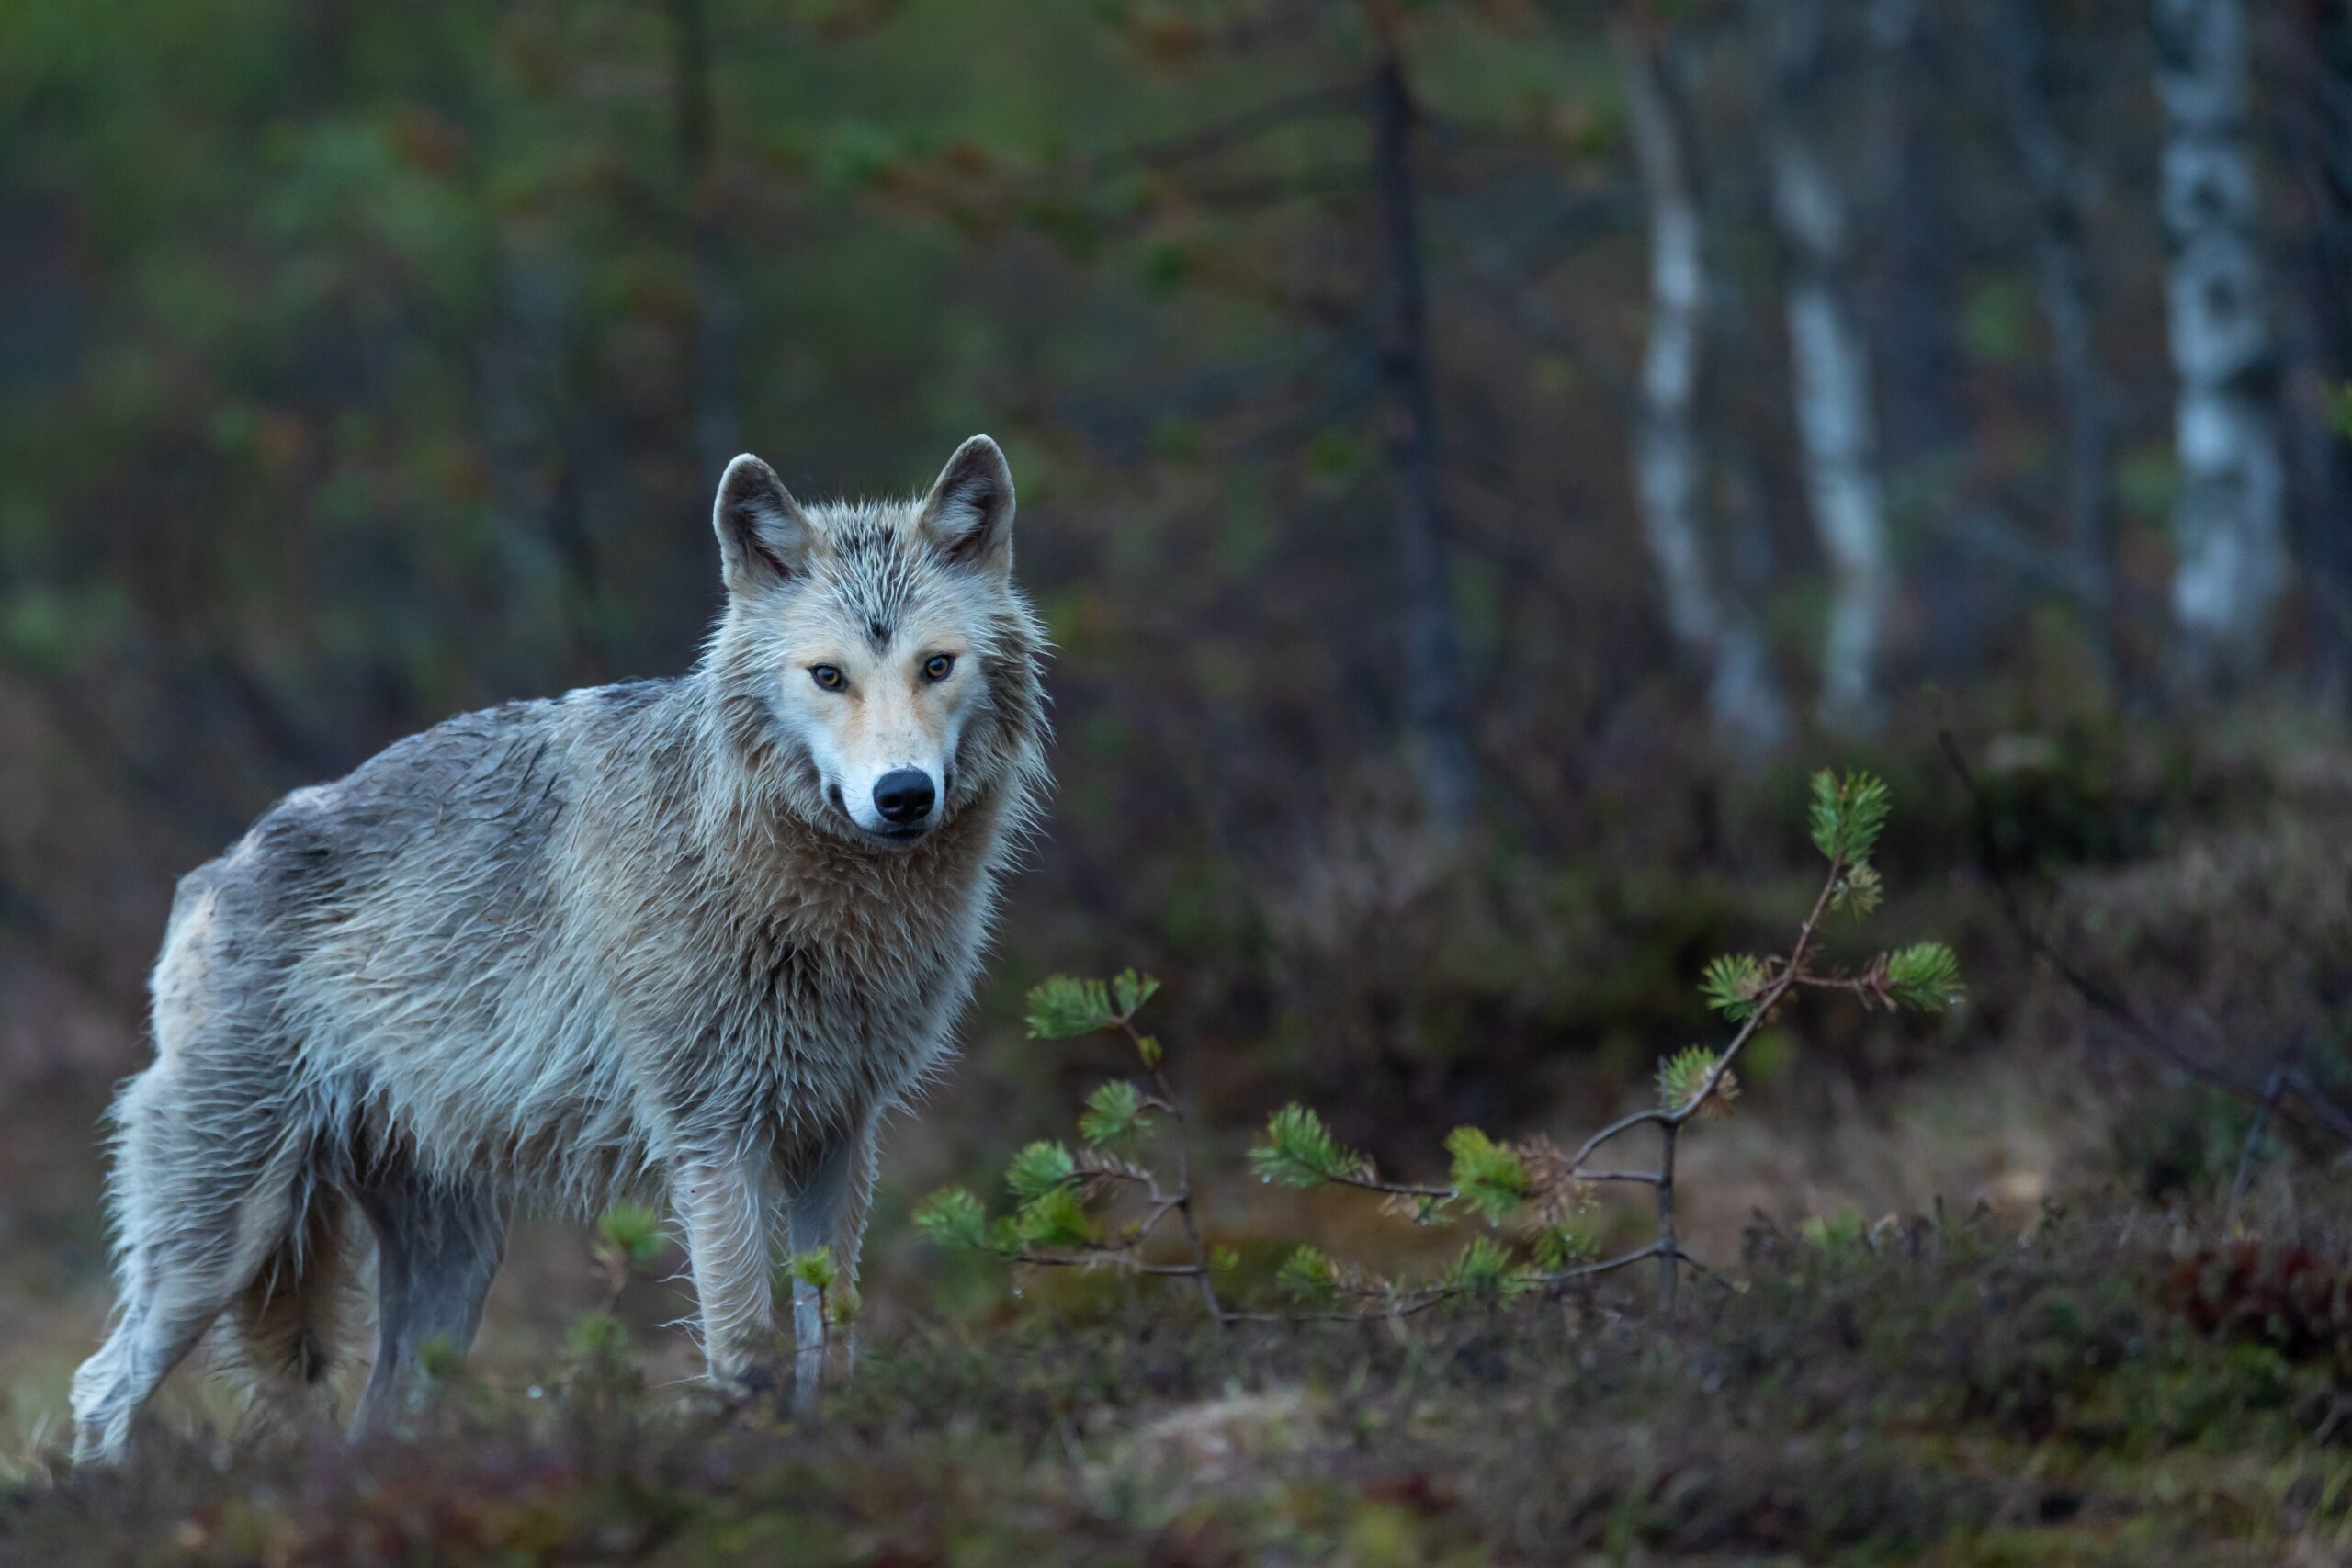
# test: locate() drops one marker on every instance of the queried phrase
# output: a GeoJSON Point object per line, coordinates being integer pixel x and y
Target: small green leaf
{"type": "Point", "coordinates": [1307, 1275]}
{"type": "Point", "coordinates": [1859, 890]}
{"type": "Point", "coordinates": [1734, 985]}
{"type": "Point", "coordinates": [1847, 815]}
{"type": "Point", "coordinates": [1039, 1169]}
{"type": "Point", "coordinates": [1682, 1077]}
{"type": "Point", "coordinates": [1557, 1247]}
{"type": "Point", "coordinates": [632, 1235]}
{"type": "Point", "coordinates": [813, 1269]}
{"type": "Point", "coordinates": [1130, 990]}
{"type": "Point", "coordinates": [1113, 1115]}
{"type": "Point", "coordinates": [1924, 977]}
{"type": "Point", "coordinates": [1299, 1151]}
{"type": "Point", "coordinates": [1056, 1217]}
{"type": "Point", "coordinates": [1063, 1008]}
{"type": "Point", "coordinates": [1490, 1177]}
{"type": "Point", "coordinates": [952, 1217]}
{"type": "Point", "coordinates": [1224, 1259]}
{"type": "Point", "coordinates": [1486, 1270]}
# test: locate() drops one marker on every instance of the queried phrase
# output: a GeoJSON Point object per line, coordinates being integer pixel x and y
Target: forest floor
{"type": "Point", "coordinates": [2101, 1381]}
{"type": "Point", "coordinates": [2103, 1388]}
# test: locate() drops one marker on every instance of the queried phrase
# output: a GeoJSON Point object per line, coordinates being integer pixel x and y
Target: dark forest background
{"type": "Point", "coordinates": [1474, 459]}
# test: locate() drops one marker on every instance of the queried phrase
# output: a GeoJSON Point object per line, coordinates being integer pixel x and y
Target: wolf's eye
{"type": "Point", "coordinates": [938, 665]}
{"type": "Point", "coordinates": [827, 676]}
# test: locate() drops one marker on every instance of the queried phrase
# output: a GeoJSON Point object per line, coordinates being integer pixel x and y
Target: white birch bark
{"type": "Point", "coordinates": [1670, 469]}
{"type": "Point", "coordinates": [1835, 424]}
{"type": "Point", "coordinates": [2230, 522]}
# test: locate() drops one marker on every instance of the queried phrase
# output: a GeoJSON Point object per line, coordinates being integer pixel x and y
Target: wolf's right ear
{"type": "Point", "coordinates": [764, 537]}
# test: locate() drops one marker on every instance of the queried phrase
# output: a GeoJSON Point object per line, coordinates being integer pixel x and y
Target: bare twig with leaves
{"type": "Point", "coordinates": [1052, 1225]}
{"type": "Point", "coordinates": [1529, 1187]}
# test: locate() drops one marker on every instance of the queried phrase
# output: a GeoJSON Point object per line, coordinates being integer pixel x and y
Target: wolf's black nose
{"type": "Point", "coordinates": [904, 797]}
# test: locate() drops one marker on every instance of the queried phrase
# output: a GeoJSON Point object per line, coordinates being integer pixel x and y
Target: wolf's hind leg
{"type": "Point", "coordinates": [198, 1211]}
{"type": "Point", "coordinates": [438, 1246]}
{"type": "Point", "coordinates": [290, 1329]}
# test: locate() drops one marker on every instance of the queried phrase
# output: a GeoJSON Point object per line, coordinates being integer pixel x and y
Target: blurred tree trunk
{"type": "Point", "coordinates": [1669, 464]}
{"type": "Point", "coordinates": [1436, 718]}
{"type": "Point", "coordinates": [717, 413]}
{"type": "Point", "coordinates": [2054, 176]}
{"type": "Point", "coordinates": [2231, 518]}
{"type": "Point", "coordinates": [529, 429]}
{"type": "Point", "coordinates": [1835, 424]}
{"type": "Point", "coordinates": [1925, 447]}
{"type": "Point", "coordinates": [2323, 153]}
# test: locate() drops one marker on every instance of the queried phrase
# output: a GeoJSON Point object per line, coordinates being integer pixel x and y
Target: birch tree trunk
{"type": "Point", "coordinates": [2053, 175]}
{"type": "Point", "coordinates": [2230, 522]}
{"type": "Point", "coordinates": [1835, 424]}
{"type": "Point", "coordinates": [1669, 465]}
{"type": "Point", "coordinates": [1436, 722]}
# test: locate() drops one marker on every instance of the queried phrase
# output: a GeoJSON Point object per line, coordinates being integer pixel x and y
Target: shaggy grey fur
{"type": "Point", "coordinates": [639, 941]}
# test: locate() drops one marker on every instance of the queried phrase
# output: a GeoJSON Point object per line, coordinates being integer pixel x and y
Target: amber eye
{"type": "Point", "coordinates": [827, 676]}
{"type": "Point", "coordinates": [938, 665]}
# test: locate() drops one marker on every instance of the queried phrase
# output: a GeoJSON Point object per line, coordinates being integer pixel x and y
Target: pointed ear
{"type": "Point", "coordinates": [967, 517]}
{"type": "Point", "coordinates": [764, 537]}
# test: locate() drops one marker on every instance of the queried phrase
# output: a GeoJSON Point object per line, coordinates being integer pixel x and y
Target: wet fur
{"type": "Point", "coordinates": [565, 952]}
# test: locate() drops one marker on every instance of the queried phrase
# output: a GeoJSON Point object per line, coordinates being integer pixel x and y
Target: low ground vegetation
{"type": "Point", "coordinates": [1938, 1389]}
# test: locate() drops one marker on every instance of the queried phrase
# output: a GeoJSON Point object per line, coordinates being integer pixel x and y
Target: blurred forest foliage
{"type": "Point", "coordinates": [1475, 457]}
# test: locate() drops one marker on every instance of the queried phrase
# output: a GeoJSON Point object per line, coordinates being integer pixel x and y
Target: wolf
{"type": "Point", "coordinates": [678, 940]}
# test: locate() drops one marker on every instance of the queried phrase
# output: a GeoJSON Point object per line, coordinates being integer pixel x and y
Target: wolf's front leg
{"type": "Point", "coordinates": [828, 1209]}
{"type": "Point", "coordinates": [722, 1203]}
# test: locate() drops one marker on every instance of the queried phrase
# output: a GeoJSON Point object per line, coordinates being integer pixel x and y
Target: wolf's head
{"type": "Point", "coordinates": [875, 663]}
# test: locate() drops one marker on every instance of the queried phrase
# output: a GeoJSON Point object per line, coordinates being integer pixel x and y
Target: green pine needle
{"type": "Point", "coordinates": [1487, 1271]}
{"type": "Point", "coordinates": [1489, 1177]}
{"type": "Point", "coordinates": [1734, 985]}
{"type": "Point", "coordinates": [1308, 1274]}
{"type": "Point", "coordinates": [813, 1269]}
{"type": "Point", "coordinates": [1039, 1169]}
{"type": "Point", "coordinates": [1113, 1115]}
{"type": "Point", "coordinates": [1924, 977]}
{"type": "Point", "coordinates": [1681, 1076]}
{"type": "Point", "coordinates": [1859, 891]}
{"type": "Point", "coordinates": [1056, 1217]}
{"type": "Point", "coordinates": [1299, 1151]}
{"type": "Point", "coordinates": [1557, 1247]}
{"type": "Point", "coordinates": [1130, 990]}
{"type": "Point", "coordinates": [632, 1235]}
{"type": "Point", "coordinates": [1847, 815]}
{"type": "Point", "coordinates": [1064, 1008]}
{"type": "Point", "coordinates": [952, 1217]}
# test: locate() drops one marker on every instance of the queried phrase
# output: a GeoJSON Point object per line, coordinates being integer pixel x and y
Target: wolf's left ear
{"type": "Point", "coordinates": [967, 517]}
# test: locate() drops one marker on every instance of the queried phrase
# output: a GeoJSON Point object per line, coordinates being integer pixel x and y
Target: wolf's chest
{"type": "Point", "coordinates": [824, 1008]}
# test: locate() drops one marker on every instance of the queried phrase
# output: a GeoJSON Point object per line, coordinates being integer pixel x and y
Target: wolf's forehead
{"type": "Point", "coordinates": [875, 573]}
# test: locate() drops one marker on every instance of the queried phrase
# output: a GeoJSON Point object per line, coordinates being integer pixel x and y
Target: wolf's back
{"type": "Point", "coordinates": [412, 939]}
